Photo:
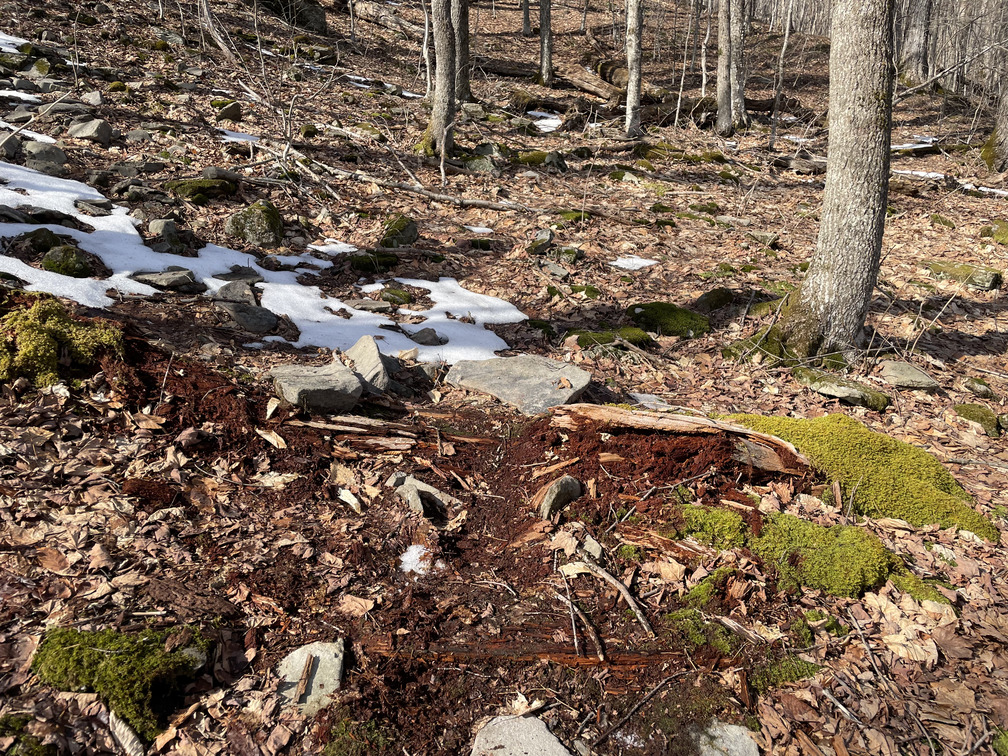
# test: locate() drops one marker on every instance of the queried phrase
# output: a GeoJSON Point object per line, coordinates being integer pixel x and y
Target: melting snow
{"type": "Point", "coordinates": [545, 122]}
{"type": "Point", "coordinates": [116, 242]}
{"type": "Point", "coordinates": [10, 44]}
{"type": "Point", "coordinates": [30, 134]}
{"type": "Point", "coordinates": [13, 94]}
{"type": "Point", "coordinates": [632, 262]}
{"type": "Point", "coordinates": [479, 229]}
{"type": "Point", "coordinates": [237, 136]}
{"type": "Point", "coordinates": [415, 559]}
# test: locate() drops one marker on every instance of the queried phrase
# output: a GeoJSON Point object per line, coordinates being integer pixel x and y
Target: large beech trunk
{"type": "Point", "coordinates": [460, 27]}
{"type": "Point", "coordinates": [827, 314]}
{"type": "Point", "coordinates": [736, 64]}
{"type": "Point", "coordinates": [724, 125]}
{"type": "Point", "coordinates": [439, 137]}
{"type": "Point", "coordinates": [634, 33]}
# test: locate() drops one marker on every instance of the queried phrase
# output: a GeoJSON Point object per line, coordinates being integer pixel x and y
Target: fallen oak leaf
{"type": "Point", "coordinates": [52, 560]}
{"type": "Point", "coordinates": [355, 606]}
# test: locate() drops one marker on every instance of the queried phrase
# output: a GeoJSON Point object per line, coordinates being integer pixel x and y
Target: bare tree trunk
{"type": "Point", "coordinates": [526, 21]}
{"type": "Point", "coordinates": [634, 34]}
{"type": "Point", "coordinates": [695, 28]}
{"type": "Point", "coordinates": [425, 50]}
{"type": "Point", "coordinates": [826, 315]}
{"type": "Point", "coordinates": [703, 54]}
{"type": "Point", "coordinates": [736, 67]}
{"type": "Point", "coordinates": [545, 44]}
{"type": "Point", "coordinates": [724, 125]}
{"type": "Point", "coordinates": [779, 84]}
{"type": "Point", "coordinates": [995, 152]}
{"type": "Point", "coordinates": [916, 41]}
{"type": "Point", "coordinates": [439, 139]}
{"type": "Point", "coordinates": [460, 26]}
{"type": "Point", "coordinates": [584, 17]}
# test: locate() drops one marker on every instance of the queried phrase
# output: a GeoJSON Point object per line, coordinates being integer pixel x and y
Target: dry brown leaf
{"type": "Point", "coordinates": [355, 606]}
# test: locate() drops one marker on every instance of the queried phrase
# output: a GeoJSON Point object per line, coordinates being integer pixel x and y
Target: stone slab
{"type": "Point", "coordinates": [530, 383]}
{"type": "Point", "coordinates": [324, 675]}
{"type": "Point", "coordinates": [517, 736]}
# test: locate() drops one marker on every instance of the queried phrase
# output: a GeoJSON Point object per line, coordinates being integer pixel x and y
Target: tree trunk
{"type": "Point", "coordinates": [724, 118]}
{"type": "Point", "coordinates": [995, 152]}
{"type": "Point", "coordinates": [526, 21]}
{"type": "Point", "coordinates": [736, 65]}
{"type": "Point", "coordinates": [916, 41]}
{"type": "Point", "coordinates": [545, 44]}
{"type": "Point", "coordinates": [460, 26]}
{"type": "Point", "coordinates": [634, 34]}
{"type": "Point", "coordinates": [439, 139]}
{"type": "Point", "coordinates": [827, 314]}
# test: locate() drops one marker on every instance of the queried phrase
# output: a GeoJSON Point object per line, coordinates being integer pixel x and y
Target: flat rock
{"type": "Point", "coordinates": [96, 130]}
{"type": "Point", "coordinates": [427, 337]}
{"type": "Point", "coordinates": [250, 317]}
{"type": "Point", "coordinates": [974, 276]}
{"type": "Point", "coordinates": [843, 389]}
{"type": "Point", "coordinates": [236, 291]}
{"type": "Point", "coordinates": [329, 388]}
{"type": "Point", "coordinates": [528, 382]}
{"type": "Point", "coordinates": [46, 153]}
{"type": "Point", "coordinates": [517, 736]}
{"type": "Point", "coordinates": [369, 305]}
{"type": "Point", "coordinates": [556, 495]}
{"type": "Point", "coordinates": [370, 365]}
{"type": "Point", "coordinates": [173, 279]}
{"type": "Point", "coordinates": [325, 674]}
{"type": "Point", "coordinates": [906, 376]}
{"type": "Point", "coordinates": [241, 273]}
{"type": "Point", "coordinates": [720, 739]}
{"type": "Point", "coordinates": [979, 387]}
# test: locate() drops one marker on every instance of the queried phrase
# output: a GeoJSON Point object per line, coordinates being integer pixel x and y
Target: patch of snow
{"type": "Point", "coordinates": [9, 44]}
{"type": "Point", "coordinates": [545, 122]}
{"type": "Point", "coordinates": [44, 138]}
{"type": "Point", "coordinates": [632, 262]}
{"type": "Point", "coordinates": [415, 559]}
{"type": "Point", "coordinates": [797, 139]}
{"type": "Point", "coordinates": [921, 174]}
{"type": "Point", "coordinates": [412, 95]}
{"type": "Point", "coordinates": [479, 229]}
{"type": "Point", "coordinates": [237, 136]}
{"type": "Point", "coordinates": [372, 287]}
{"type": "Point", "coordinates": [13, 94]}
{"type": "Point", "coordinates": [116, 242]}
{"type": "Point", "coordinates": [304, 259]}
{"type": "Point", "coordinates": [333, 247]}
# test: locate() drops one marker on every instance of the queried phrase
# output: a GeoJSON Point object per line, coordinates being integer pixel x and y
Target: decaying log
{"type": "Point", "coordinates": [381, 15]}
{"type": "Point", "coordinates": [759, 450]}
{"type": "Point", "coordinates": [583, 79]}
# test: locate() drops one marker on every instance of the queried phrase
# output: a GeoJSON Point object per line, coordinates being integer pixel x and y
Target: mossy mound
{"type": "Point", "coordinates": [981, 415]}
{"type": "Point", "coordinates": [711, 208]}
{"type": "Point", "coordinates": [567, 217]}
{"type": "Point", "coordinates": [629, 334]}
{"type": "Point", "coordinates": [666, 319]}
{"type": "Point", "coordinates": [259, 224]}
{"type": "Point", "coordinates": [785, 670]}
{"type": "Point", "coordinates": [132, 672]}
{"type": "Point", "coordinates": [398, 231]}
{"type": "Point", "coordinates": [974, 276]}
{"type": "Point", "coordinates": [67, 260]}
{"type": "Point", "coordinates": [720, 528]}
{"type": "Point", "coordinates": [885, 477]}
{"type": "Point", "coordinates": [998, 231]}
{"type": "Point", "coordinates": [941, 220]}
{"type": "Point", "coordinates": [399, 297]}
{"type": "Point", "coordinates": [701, 594]}
{"type": "Point", "coordinates": [378, 262]}
{"type": "Point", "coordinates": [200, 191]}
{"type": "Point", "coordinates": [587, 290]}
{"type": "Point", "coordinates": [715, 299]}
{"type": "Point", "coordinates": [693, 631]}
{"type": "Point", "coordinates": [841, 560]}
{"type": "Point", "coordinates": [36, 340]}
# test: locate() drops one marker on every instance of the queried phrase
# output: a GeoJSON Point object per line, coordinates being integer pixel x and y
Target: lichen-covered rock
{"type": "Point", "coordinates": [881, 476]}
{"type": "Point", "coordinates": [974, 276]}
{"type": "Point", "coordinates": [906, 376]}
{"type": "Point", "coordinates": [398, 231]}
{"type": "Point", "coordinates": [666, 319]}
{"type": "Point", "coordinates": [231, 111]}
{"type": "Point", "coordinates": [200, 191]}
{"type": "Point", "coordinates": [96, 130]}
{"type": "Point", "coordinates": [377, 262]}
{"type": "Point", "coordinates": [980, 415]}
{"type": "Point", "coordinates": [979, 387]}
{"type": "Point", "coordinates": [67, 260]}
{"type": "Point", "coordinates": [259, 224]}
{"type": "Point", "coordinates": [843, 389]}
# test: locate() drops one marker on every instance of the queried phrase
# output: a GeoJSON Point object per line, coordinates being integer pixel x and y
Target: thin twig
{"type": "Point", "coordinates": [594, 569]}
{"type": "Point", "coordinates": [599, 649]}
{"type": "Point", "coordinates": [570, 605]}
{"type": "Point", "coordinates": [602, 738]}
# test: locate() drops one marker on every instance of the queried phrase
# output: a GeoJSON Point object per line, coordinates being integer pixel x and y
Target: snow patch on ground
{"type": "Point", "coordinates": [415, 559]}
{"type": "Point", "coordinates": [632, 262]}
{"type": "Point", "coordinates": [237, 136]}
{"type": "Point", "coordinates": [9, 44]}
{"type": "Point", "coordinates": [44, 138]}
{"type": "Point", "coordinates": [545, 122]}
{"type": "Point", "coordinates": [457, 315]}
{"type": "Point", "coordinates": [13, 94]}
{"type": "Point", "coordinates": [478, 229]}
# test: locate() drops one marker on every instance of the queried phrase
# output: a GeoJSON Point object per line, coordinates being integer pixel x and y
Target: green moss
{"type": "Point", "coordinates": [700, 595]}
{"type": "Point", "coordinates": [542, 325]}
{"type": "Point", "coordinates": [200, 190]}
{"type": "Point", "coordinates": [885, 477]}
{"type": "Point", "coordinates": [711, 208]}
{"type": "Point", "coordinates": [666, 319]}
{"type": "Point", "coordinates": [981, 415]}
{"type": "Point", "coordinates": [572, 216]}
{"type": "Point", "coordinates": [764, 309]}
{"type": "Point", "coordinates": [351, 738]}
{"type": "Point", "coordinates": [378, 262]}
{"type": "Point", "coordinates": [589, 291]}
{"type": "Point", "coordinates": [397, 296]}
{"type": "Point", "coordinates": [220, 103]}
{"type": "Point", "coordinates": [67, 260]}
{"type": "Point", "coordinates": [722, 270]}
{"type": "Point", "coordinates": [988, 153]}
{"type": "Point", "coordinates": [309, 131]}
{"type": "Point", "coordinates": [720, 528]}
{"type": "Point", "coordinates": [35, 340]}
{"type": "Point", "coordinates": [917, 588]}
{"type": "Point", "coordinates": [802, 633]}
{"type": "Point", "coordinates": [658, 207]}
{"type": "Point", "coordinates": [728, 176]}
{"type": "Point", "coordinates": [694, 216]}
{"type": "Point", "coordinates": [132, 672]}
{"type": "Point", "coordinates": [715, 299]}
{"type": "Point", "coordinates": [974, 276]}
{"type": "Point", "coordinates": [840, 560]}
{"type": "Point", "coordinates": [258, 224]}
{"type": "Point", "coordinates": [832, 626]}
{"type": "Point", "coordinates": [941, 220]}
{"type": "Point", "coordinates": [776, 673]}
{"type": "Point", "coordinates": [531, 157]}
{"type": "Point", "coordinates": [398, 231]}
{"type": "Point", "coordinates": [998, 231]}
{"type": "Point", "coordinates": [1000, 743]}
{"type": "Point", "coordinates": [629, 552]}
{"type": "Point", "coordinates": [25, 744]}
{"type": "Point", "coordinates": [689, 626]}
{"type": "Point", "coordinates": [631, 335]}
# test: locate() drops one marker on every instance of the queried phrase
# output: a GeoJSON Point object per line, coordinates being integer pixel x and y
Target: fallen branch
{"type": "Point", "coordinates": [587, 565]}
{"type": "Point", "coordinates": [382, 16]}
{"type": "Point", "coordinates": [599, 650]}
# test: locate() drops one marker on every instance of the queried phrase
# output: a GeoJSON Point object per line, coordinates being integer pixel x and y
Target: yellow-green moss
{"type": "Point", "coordinates": [841, 560]}
{"type": "Point", "coordinates": [399, 231]}
{"type": "Point", "coordinates": [629, 552]}
{"type": "Point", "coordinates": [1000, 743]}
{"type": "Point", "coordinates": [199, 191]}
{"type": "Point", "coordinates": [34, 339]}
{"type": "Point", "coordinates": [776, 673]}
{"type": "Point", "coordinates": [67, 260]}
{"type": "Point", "coordinates": [629, 334]}
{"type": "Point", "coordinates": [132, 672]}
{"type": "Point", "coordinates": [689, 626]}
{"type": "Point", "coordinates": [917, 588]}
{"type": "Point", "coordinates": [711, 208]}
{"type": "Point", "coordinates": [886, 477]}
{"type": "Point", "coordinates": [941, 220]}
{"type": "Point", "coordinates": [589, 291]}
{"type": "Point", "coordinates": [25, 744]}
{"type": "Point", "coordinates": [720, 528]}
{"type": "Point", "coordinates": [377, 262]}
{"type": "Point", "coordinates": [974, 276]}
{"type": "Point", "coordinates": [397, 296]}
{"type": "Point", "coordinates": [351, 738]}
{"type": "Point", "coordinates": [666, 319]}
{"type": "Point", "coordinates": [700, 595]}
{"type": "Point", "coordinates": [981, 415]}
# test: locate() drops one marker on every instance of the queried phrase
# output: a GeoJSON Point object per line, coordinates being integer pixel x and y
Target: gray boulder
{"type": "Point", "coordinates": [329, 388]}
{"type": "Point", "coordinates": [45, 153]}
{"type": "Point", "coordinates": [236, 291]}
{"type": "Point", "coordinates": [530, 383]}
{"type": "Point", "coordinates": [250, 317]}
{"type": "Point", "coordinates": [558, 495]}
{"type": "Point", "coordinates": [516, 736]}
{"type": "Point", "coordinates": [843, 389]}
{"type": "Point", "coordinates": [399, 231]}
{"type": "Point", "coordinates": [903, 375]}
{"type": "Point", "coordinates": [324, 665]}
{"type": "Point", "coordinates": [166, 233]}
{"type": "Point", "coordinates": [259, 224]}
{"type": "Point", "coordinates": [173, 279]}
{"type": "Point", "coordinates": [371, 366]}
{"type": "Point", "coordinates": [10, 146]}
{"type": "Point", "coordinates": [230, 112]}
{"type": "Point", "coordinates": [67, 260]}
{"type": "Point", "coordinates": [427, 337]}
{"type": "Point", "coordinates": [96, 130]}
{"type": "Point", "coordinates": [979, 387]}
{"type": "Point", "coordinates": [720, 739]}
{"type": "Point", "coordinates": [241, 273]}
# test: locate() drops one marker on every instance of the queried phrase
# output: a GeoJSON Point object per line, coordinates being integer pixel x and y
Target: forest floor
{"type": "Point", "coordinates": [170, 490]}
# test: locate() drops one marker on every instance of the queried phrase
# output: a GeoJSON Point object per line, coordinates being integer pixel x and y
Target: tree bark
{"type": "Point", "coordinates": [736, 65]}
{"type": "Point", "coordinates": [460, 27]}
{"type": "Point", "coordinates": [545, 44]}
{"type": "Point", "coordinates": [724, 125]}
{"type": "Point", "coordinates": [439, 139]}
{"type": "Point", "coordinates": [826, 315]}
{"type": "Point", "coordinates": [526, 21]}
{"type": "Point", "coordinates": [916, 41]}
{"type": "Point", "coordinates": [634, 34]}
{"type": "Point", "coordinates": [995, 152]}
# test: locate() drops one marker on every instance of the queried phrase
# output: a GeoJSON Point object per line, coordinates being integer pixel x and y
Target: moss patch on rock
{"type": "Point", "coordinates": [67, 260]}
{"type": "Point", "coordinates": [132, 672]}
{"type": "Point", "coordinates": [35, 340]}
{"type": "Point", "coordinates": [200, 191]}
{"type": "Point", "coordinates": [981, 415]}
{"type": "Point", "coordinates": [629, 334]}
{"type": "Point", "coordinates": [667, 319]}
{"type": "Point", "coordinates": [885, 477]}
{"type": "Point", "coordinates": [398, 231]}
{"type": "Point", "coordinates": [399, 297]}
{"type": "Point", "coordinates": [974, 276]}
{"type": "Point", "coordinates": [841, 560]}
{"type": "Point", "coordinates": [378, 262]}
{"type": "Point", "coordinates": [259, 224]}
